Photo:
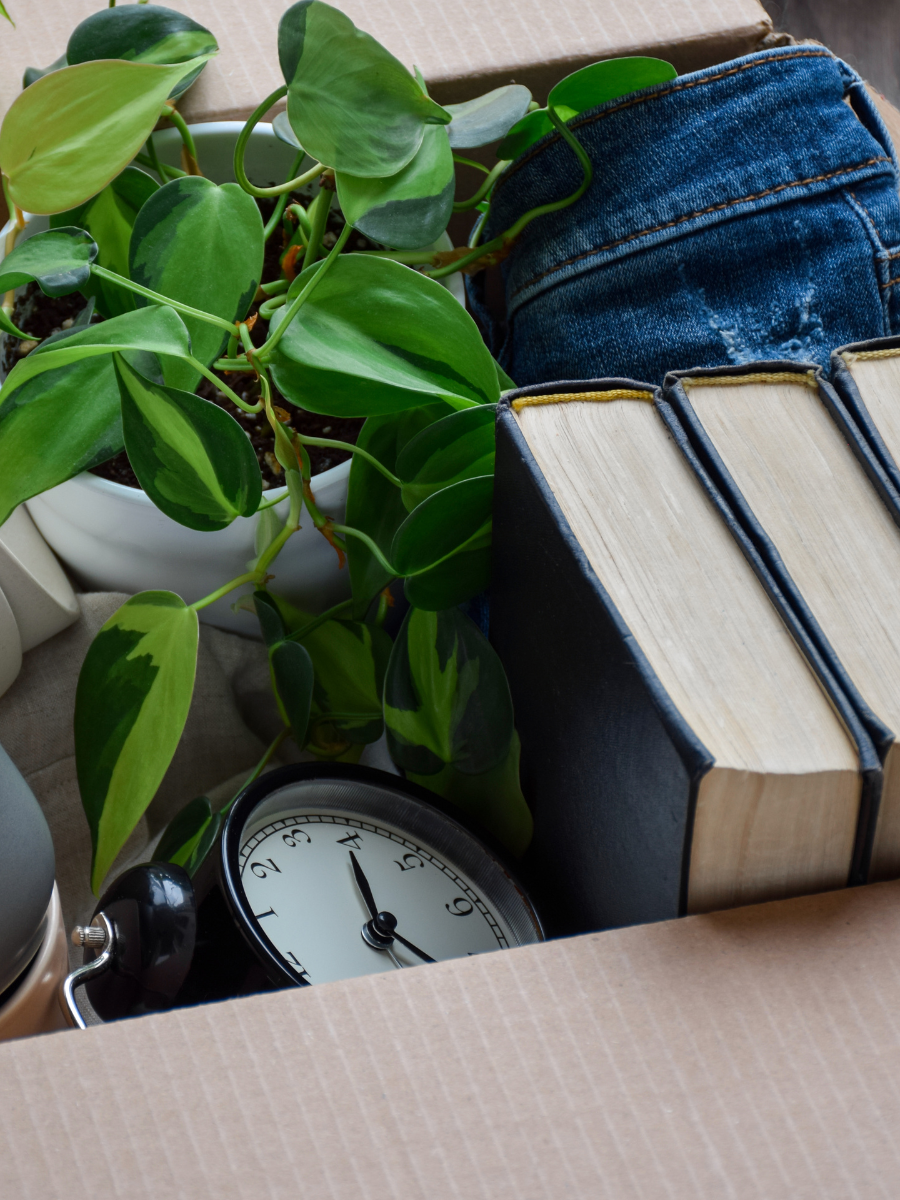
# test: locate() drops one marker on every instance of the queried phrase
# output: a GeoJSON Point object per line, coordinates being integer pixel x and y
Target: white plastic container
{"type": "Point", "coordinates": [113, 538]}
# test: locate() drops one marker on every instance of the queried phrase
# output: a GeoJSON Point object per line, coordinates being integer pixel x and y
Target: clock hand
{"type": "Point", "coordinates": [383, 924]}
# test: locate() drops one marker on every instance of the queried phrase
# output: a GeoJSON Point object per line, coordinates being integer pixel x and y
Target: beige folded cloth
{"type": "Point", "coordinates": [232, 719]}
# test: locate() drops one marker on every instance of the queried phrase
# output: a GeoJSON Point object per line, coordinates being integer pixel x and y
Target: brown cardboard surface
{"type": "Point", "coordinates": [753, 1053]}
{"type": "Point", "coordinates": [452, 41]}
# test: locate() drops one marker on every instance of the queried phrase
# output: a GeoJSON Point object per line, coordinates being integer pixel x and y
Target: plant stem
{"type": "Point", "coordinates": [330, 614]}
{"type": "Point", "coordinates": [184, 309]}
{"type": "Point", "coordinates": [246, 340]}
{"type": "Point", "coordinates": [330, 444]}
{"type": "Point", "coordinates": [9, 300]}
{"type": "Point", "coordinates": [275, 547]}
{"type": "Point", "coordinates": [320, 207]}
{"type": "Point", "coordinates": [470, 162]}
{"type": "Point", "coordinates": [154, 159]}
{"type": "Point", "coordinates": [233, 364]}
{"type": "Point", "coordinates": [280, 205]}
{"type": "Point", "coordinates": [224, 388]}
{"type": "Point", "coordinates": [411, 258]}
{"type": "Point", "coordinates": [272, 503]}
{"type": "Point", "coordinates": [275, 288]}
{"type": "Point", "coordinates": [265, 350]}
{"type": "Point", "coordinates": [189, 158]}
{"type": "Point", "coordinates": [373, 546]}
{"type": "Point", "coordinates": [462, 205]}
{"type": "Point", "coordinates": [267, 308]}
{"type": "Point", "coordinates": [247, 577]}
{"type": "Point", "coordinates": [240, 173]}
{"type": "Point", "coordinates": [168, 173]}
{"type": "Point", "coordinates": [301, 216]}
{"type": "Point", "coordinates": [257, 770]}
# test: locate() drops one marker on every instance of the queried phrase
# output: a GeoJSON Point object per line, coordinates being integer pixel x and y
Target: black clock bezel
{"type": "Point", "coordinates": [276, 967]}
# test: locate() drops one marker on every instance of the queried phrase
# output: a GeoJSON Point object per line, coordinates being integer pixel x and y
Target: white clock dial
{"type": "Point", "coordinates": [298, 877]}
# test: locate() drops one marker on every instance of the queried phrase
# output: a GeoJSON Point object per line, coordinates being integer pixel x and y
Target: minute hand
{"type": "Point", "coordinates": [415, 949]}
{"type": "Point", "coordinates": [386, 927]}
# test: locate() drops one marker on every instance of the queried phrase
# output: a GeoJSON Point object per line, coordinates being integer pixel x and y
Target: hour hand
{"type": "Point", "coordinates": [363, 884]}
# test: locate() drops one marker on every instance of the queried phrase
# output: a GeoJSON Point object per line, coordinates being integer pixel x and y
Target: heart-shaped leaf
{"type": "Point", "coordinates": [203, 245]}
{"type": "Point", "coordinates": [374, 504]}
{"type": "Point", "coordinates": [351, 104]}
{"type": "Point", "coordinates": [525, 133]}
{"type": "Point", "coordinates": [59, 260]}
{"type": "Point", "coordinates": [70, 133]}
{"type": "Point", "coordinates": [460, 446]}
{"type": "Point", "coordinates": [142, 33]}
{"type": "Point", "coordinates": [109, 218]}
{"type": "Point", "coordinates": [271, 624]}
{"type": "Point", "coordinates": [281, 127]}
{"type": "Point", "coordinates": [183, 832]}
{"type": "Point", "coordinates": [376, 337]}
{"type": "Point", "coordinates": [456, 579]}
{"type": "Point", "coordinates": [132, 701]}
{"type": "Point", "coordinates": [32, 74]}
{"type": "Point", "coordinates": [442, 524]}
{"type": "Point", "coordinates": [607, 80]}
{"type": "Point", "coordinates": [191, 458]}
{"type": "Point", "coordinates": [293, 676]}
{"type": "Point", "coordinates": [408, 209]}
{"type": "Point", "coordinates": [486, 118]}
{"type": "Point", "coordinates": [446, 699]}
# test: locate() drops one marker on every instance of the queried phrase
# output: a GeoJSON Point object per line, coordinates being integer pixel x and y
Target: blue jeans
{"type": "Point", "coordinates": [742, 212]}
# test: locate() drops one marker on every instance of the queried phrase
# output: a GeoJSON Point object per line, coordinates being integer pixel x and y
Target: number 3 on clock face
{"type": "Point", "coordinates": [337, 871]}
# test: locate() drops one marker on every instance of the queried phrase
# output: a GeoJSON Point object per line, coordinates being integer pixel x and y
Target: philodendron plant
{"type": "Point", "coordinates": [171, 266]}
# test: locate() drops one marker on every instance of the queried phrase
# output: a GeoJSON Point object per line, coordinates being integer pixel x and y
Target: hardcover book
{"type": "Point", "coordinates": [808, 487]}
{"type": "Point", "coordinates": [686, 747]}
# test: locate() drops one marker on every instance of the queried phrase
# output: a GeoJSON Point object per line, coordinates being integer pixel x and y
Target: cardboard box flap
{"type": "Point", "coordinates": [451, 41]}
{"type": "Point", "coordinates": [752, 1053]}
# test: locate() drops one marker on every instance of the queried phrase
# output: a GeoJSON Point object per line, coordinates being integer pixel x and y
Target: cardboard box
{"type": "Point", "coordinates": [748, 1054]}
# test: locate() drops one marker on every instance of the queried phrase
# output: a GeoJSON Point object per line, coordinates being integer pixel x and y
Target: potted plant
{"type": "Point", "coordinates": [337, 330]}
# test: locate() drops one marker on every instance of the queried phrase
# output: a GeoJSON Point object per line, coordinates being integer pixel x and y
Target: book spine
{"type": "Point", "coordinates": [869, 733]}
{"type": "Point", "coordinates": [848, 408]}
{"type": "Point", "coordinates": [609, 765]}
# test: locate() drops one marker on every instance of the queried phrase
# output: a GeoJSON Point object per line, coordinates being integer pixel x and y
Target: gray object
{"type": "Point", "coordinates": [27, 868]}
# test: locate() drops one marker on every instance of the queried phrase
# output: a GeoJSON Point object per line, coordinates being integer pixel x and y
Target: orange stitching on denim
{"type": "Point", "coordinates": [680, 87]}
{"type": "Point", "coordinates": [891, 282]}
{"type": "Point", "coordinates": [702, 212]}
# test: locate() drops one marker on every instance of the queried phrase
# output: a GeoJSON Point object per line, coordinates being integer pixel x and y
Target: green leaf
{"type": "Point", "coordinates": [409, 209]}
{"type": "Point", "coordinates": [494, 799]}
{"type": "Point", "coordinates": [446, 699]}
{"type": "Point", "coordinates": [157, 330]}
{"type": "Point", "coordinates": [374, 504]}
{"type": "Point", "coordinates": [191, 458]}
{"type": "Point", "coordinates": [293, 678]}
{"type": "Point", "coordinates": [4, 13]}
{"type": "Point", "coordinates": [442, 524]}
{"type": "Point", "coordinates": [271, 625]}
{"type": "Point", "coordinates": [132, 701]}
{"type": "Point", "coordinates": [351, 104]}
{"type": "Point", "coordinates": [375, 337]}
{"type": "Point", "coordinates": [458, 578]}
{"type": "Point", "coordinates": [109, 219]}
{"type": "Point", "coordinates": [532, 127]}
{"type": "Point", "coordinates": [209, 835]}
{"type": "Point", "coordinates": [183, 832]}
{"type": "Point", "coordinates": [281, 127]}
{"type": "Point", "coordinates": [608, 80]}
{"type": "Point", "coordinates": [142, 33]}
{"type": "Point", "coordinates": [486, 118]}
{"type": "Point", "coordinates": [32, 74]}
{"type": "Point", "coordinates": [506, 384]}
{"type": "Point", "coordinates": [584, 89]}
{"type": "Point", "coordinates": [460, 446]}
{"type": "Point", "coordinates": [201, 244]}
{"type": "Point", "coordinates": [69, 134]}
{"type": "Point", "coordinates": [59, 260]}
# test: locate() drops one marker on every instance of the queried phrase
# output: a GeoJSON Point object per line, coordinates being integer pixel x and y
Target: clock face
{"type": "Point", "coordinates": [318, 860]}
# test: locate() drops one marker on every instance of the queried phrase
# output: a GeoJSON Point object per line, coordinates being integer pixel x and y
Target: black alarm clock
{"type": "Point", "coordinates": [323, 872]}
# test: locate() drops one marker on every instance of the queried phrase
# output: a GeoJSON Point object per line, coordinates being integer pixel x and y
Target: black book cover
{"type": "Point", "coordinates": [844, 385]}
{"type": "Point", "coordinates": [609, 765]}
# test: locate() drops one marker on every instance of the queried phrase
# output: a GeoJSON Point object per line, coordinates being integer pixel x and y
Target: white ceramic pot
{"type": "Point", "coordinates": [34, 1006]}
{"type": "Point", "coordinates": [113, 538]}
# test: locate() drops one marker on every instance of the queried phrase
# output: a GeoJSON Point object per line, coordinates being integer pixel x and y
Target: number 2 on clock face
{"type": "Point", "coordinates": [298, 874]}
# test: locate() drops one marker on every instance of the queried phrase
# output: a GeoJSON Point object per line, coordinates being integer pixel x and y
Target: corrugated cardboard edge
{"type": "Point", "coordinates": [754, 1053]}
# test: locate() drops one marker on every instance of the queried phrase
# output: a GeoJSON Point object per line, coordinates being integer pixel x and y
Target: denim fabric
{"type": "Point", "coordinates": [743, 212]}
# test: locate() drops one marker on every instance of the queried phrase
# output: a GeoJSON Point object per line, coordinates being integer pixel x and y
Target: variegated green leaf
{"type": "Point", "coordinates": [375, 337]}
{"type": "Point", "coordinates": [446, 522]}
{"type": "Point", "coordinates": [487, 118]}
{"type": "Point", "coordinates": [351, 104]}
{"type": "Point", "coordinates": [58, 260]}
{"type": "Point", "coordinates": [142, 33]}
{"type": "Point", "coordinates": [132, 701]}
{"type": "Point", "coordinates": [293, 677]}
{"type": "Point", "coordinates": [69, 134]}
{"type": "Point", "coordinates": [461, 446]}
{"type": "Point", "coordinates": [183, 832]}
{"type": "Point", "coordinates": [190, 456]}
{"type": "Point", "coordinates": [408, 209]}
{"type": "Point", "coordinates": [109, 219]}
{"type": "Point", "coordinates": [458, 578]}
{"type": "Point", "coordinates": [200, 244]}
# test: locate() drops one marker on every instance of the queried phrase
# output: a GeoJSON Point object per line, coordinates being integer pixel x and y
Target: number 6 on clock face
{"type": "Point", "coordinates": [334, 871]}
